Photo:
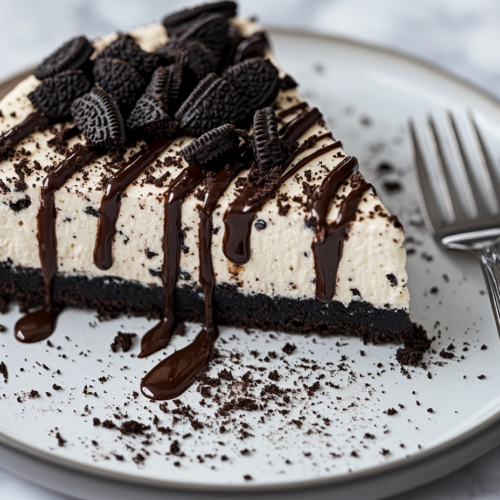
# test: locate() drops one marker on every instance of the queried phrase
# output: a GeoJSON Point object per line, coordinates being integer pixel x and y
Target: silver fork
{"type": "Point", "coordinates": [470, 221]}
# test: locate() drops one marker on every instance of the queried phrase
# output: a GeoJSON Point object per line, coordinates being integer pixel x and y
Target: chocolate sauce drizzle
{"type": "Point", "coordinates": [39, 325]}
{"type": "Point", "coordinates": [294, 129]}
{"type": "Point", "coordinates": [159, 336]}
{"type": "Point", "coordinates": [110, 204]}
{"type": "Point", "coordinates": [328, 246]}
{"type": "Point", "coordinates": [17, 133]}
{"type": "Point", "coordinates": [242, 211]}
{"type": "Point", "coordinates": [252, 46]}
{"type": "Point", "coordinates": [176, 373]}
{"type": "Point", "coordinates": [291, 110]}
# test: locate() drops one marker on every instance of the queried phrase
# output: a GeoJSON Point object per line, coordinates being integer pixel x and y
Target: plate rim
{"type": "Point", "coordinates": [433, 463]}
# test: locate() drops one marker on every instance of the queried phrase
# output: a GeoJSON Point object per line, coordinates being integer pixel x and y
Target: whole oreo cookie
{"type": "Point", "coordinates": [54, 96]}
{"type": "Point", "coordinates": [227, 9]}
{"type": "Point", "coordinates": [211, 146]}
{"type": "Point", "coordinates": [212, 103]}
{"type": "Point", "coordinates": [127, 50]}
{"type": "Point", "coordinates": [99, 118]}
{"type": "Point", "coordinates": [268, 150]}
{"type": "Point", "coordinates": [256, 80]}
{"type": "Point", "coordinates": [194, 57]}
{"type": "Point", "coordinates": [72, 55]}
{"type": "Point", "coordinates": [209, 29]}
{"type": "Point", "coordinates": [167, 82]}
{"type": "Point", "coordinates": [149, 118]}
{"type": "Point", "coordinates": [120, 80]}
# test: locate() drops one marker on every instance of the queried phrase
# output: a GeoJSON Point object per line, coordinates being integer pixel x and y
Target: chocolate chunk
{"type": "Point", "coordinates": [166, 82]}
{"type": "Point", "coordinates": [210, 29]}
{"type": "Point", "coordinates": [213, 103]}
{"type": "Point", "coordinates": [125, 49]}
{"type": "Point", "coordinates": [99, 118]}
{"type": "Point", "coordinates": [226, 9]}
{"type": "Point", "coordinates": [72, 55]}
{"type": "Point", "coordinates": [149, 118]}
{"type": "Point", "coordinates": [256, 81]}
{"type": "Point", "coordinates": [195, 57]}
{"type": "Point", "coordinates": [211, 146]}
{"type": "Point", "coordinates": [267, 145]}
{"type": "Point", "coordinates": [54, 96]}
{"type": "Point", "coordinates": [119, 79]}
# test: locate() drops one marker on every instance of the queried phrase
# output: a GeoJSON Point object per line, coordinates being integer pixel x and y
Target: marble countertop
{"type": "Point", "coordinates": [461, 36]}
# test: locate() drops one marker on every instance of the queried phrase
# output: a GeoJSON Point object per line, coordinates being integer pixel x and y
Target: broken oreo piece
{"type": "Point", "coordinates": [98, 117]}
{"type": "Point", "coordinates": [126, 49]}
{"type": "Point", "coordinates": [256, 80]}
{"type": "Point", "coordinates": [72, 55]}
{"type": "Point", "coordinates": [212, 103]}
{"type": "Point", "coordinates": [267, 146]}
{"type": "Point", "coordinates": [166, 82]}
{"type": "Point", "coordinates": [149, 118]}
{"type": "Point", "coordinates": [119, 79]}
{"type": "Point", "coordinates": [211, 146]}
{"type": "Point", "coordinates": [54, 96]}
{"type": "Point", "coordinates": [211, 30]}
{"type": "Point", "coordinates": [227, 9]}
{"type": "Point", "coordinates": [193, 55]}
{"type": "Point", "coordinates": [287, 83]}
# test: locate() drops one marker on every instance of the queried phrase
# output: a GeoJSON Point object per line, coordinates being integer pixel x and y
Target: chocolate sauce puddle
{"type": "Point", "coordinates": [242, 211]}
{"type": "Point", "coordinates": [110, 204]}
{"type": "Point", "coordinates": [327, 248]}
{"type": "Point", "coordinates": [17, 133]}
{"type": "Point", "coordinates": [175, 374]}
{"type": "Point", "coordinates": [158, 337]}
{"type": "Point", "coordinates": [39, 325]}
{"type": "Point", "coordinates": [252, 46]}
{"type": "Point", "coordinates": [172, 376]}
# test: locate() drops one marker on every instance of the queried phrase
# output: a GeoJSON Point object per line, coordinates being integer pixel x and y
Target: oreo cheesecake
{"type": "Point", "coordinates": [175, 172]}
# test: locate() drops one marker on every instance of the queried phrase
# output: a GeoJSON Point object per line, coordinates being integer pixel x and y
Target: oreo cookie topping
{"type": "Point", "coordinates": [119, 79]}
{"type": "Point", "coordinates": [256, 80]}
{"type": "Point", "coordinates": [211, 146]}
{"type": "Point", "coordinates": [194, 56]}
{"type": "Point", "coordinates": [98, 117]}
{"type": "Point", "coordinates": [268, 150]}
{"type": "Point", "coordinates": [177, 19]}
{"type": "Point", "coordinates": [150, 119]}
{"type": "Point", "coordinates": [212, 103]}
{"type": "Point", "coordinates": [127, 50]}
{"type": "Point", "coordinates": [54, 96]}
{"type": "Point", "coordinates": [166, 82]}
{"type": "Point", "coordinates": [72, 55]}
{"type": "Point", "coordinates": [211, 30]}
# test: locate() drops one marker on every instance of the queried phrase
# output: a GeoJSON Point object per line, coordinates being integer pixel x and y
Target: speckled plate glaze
{"type": "Point", "coordinates": [342, 438]}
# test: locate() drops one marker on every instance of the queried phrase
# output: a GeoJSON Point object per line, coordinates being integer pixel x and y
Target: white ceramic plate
{"type": "Point", "coordinates": [445, 416]}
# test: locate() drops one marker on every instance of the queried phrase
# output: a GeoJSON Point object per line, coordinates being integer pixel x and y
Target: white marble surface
{"type": "Point", "coordinates": [459, 35]}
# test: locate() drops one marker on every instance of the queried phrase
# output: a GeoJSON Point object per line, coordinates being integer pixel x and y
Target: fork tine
{"type": "Point", "coordinates": [454, 197]}
{"type": "Point", "coordinates": [472, 190]}
{"type": "Point", "coordinates": [428, 205]}
{"type": "Point", "coordinates": [493, 186]}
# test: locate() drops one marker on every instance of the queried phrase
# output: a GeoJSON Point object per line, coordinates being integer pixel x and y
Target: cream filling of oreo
{"type": "Point", "coordinates": [281, 262]}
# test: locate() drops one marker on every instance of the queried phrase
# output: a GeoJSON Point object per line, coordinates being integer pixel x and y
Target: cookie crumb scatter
{"type": "Point", "coordinates": [123, 341]}
{"type": "Point", "coordinates": [4, 371]}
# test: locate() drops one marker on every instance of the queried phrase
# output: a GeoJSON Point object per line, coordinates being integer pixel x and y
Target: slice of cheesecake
{"type": "Point", "coordinates": [176, 173]}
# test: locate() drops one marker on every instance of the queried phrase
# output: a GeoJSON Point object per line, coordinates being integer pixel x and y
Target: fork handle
{"type": "Point", "coordinates": [490, 264]}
